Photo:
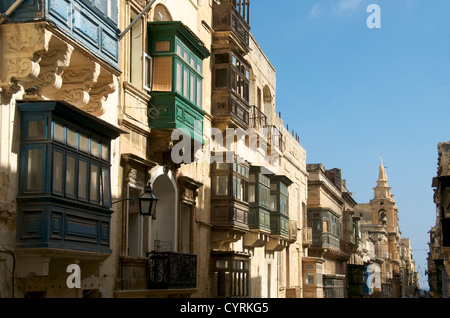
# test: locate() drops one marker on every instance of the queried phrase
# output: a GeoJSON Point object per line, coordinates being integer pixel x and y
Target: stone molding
{"type": "Point", "coordinates": [45, 65]}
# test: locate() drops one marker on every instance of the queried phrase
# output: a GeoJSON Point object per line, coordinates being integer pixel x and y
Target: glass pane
{"type": "Point", "coordinates": [186, 83]}
{"type": "Point", "coordinates": [221, 166]}
{"type": "Point", "coordinates": [251, 193]}
{"type": "Point", "coordinates": [179, 78]}
{"type": "Point", "coordinates": [57, 171]}
{"type": "Point", "coordinates": [222, 264]}
{"type": "Point", "coordinates": [58, 133]}
{"type": "Point", "coordinates": [192, 90]}
{"type": "Point", "coordinates": [72, 138]}
{"type": "Point", "coordinates": [179, 49]}
{"type": "Point", "coordinates": [106, 187]}
{"type": "Point", "coordinates": [84, 143]}
{"type": "Point", "coordinates": [35, 169]}
{"type": "Point", "coordinates": [36, 129]}
{"type": "Point", "coordinates": [105, 152]}
{"type": "Point", "coordinates": [221, 77]}
{"type": "Point", "coordinates": [82, 180]}
{"type": "Point", "coordinates": [70, 175]}
{"type": "Point", "coordinates": [273, 203]}
{"type": "Point", "coordinates": [221, 185]}
{"type": "Point", "coordinates": [199, 93]}
{"type": "Point", "coordinates": [93, 189]}
{"type": "Point", "coordinates": [162, 74]}
{"type": "Point", "coordinates": [95, 148]}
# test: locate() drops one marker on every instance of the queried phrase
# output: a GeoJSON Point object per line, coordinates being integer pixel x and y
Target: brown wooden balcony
{"type": "Point", "coordinates": [233, 16]}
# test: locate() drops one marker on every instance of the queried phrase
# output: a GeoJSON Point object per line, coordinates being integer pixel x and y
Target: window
{"type": "Point", "coordinates": [136, 51]}
{"type": "Point", "coordinates": [310, 278]}
{"type": "Point", "coordinates": [79, 163]}
{"type": "Point", "coordinates": [162, 74]}
{"type": "Point", "coordinates": [35, 169]}
{"type": "Point", "coordinates": [221, 185]}
{"type": "Point", "coordinates": [148, 72]}
{"type": "Point", "coordinates": [62, 163]}
{"type": "Point", "coordinates": [176, 67]}
{"type": "Point", "coordinates": [237, 173]}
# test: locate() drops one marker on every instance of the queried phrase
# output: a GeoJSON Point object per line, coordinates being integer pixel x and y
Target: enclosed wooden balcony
{"type": "Point", "coordinates": [230, 90]}
{"type": "Point", "coordinates": [233, 17]}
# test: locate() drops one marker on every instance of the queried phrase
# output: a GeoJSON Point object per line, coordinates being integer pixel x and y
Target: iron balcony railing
{"type": "Point", "coordinates": [168, 270]}
{"type": "Point", "coordinates": [258, 121]}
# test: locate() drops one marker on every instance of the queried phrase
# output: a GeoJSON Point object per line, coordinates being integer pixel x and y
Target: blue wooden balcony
{"type": "Point", "coordinates": [91, 23]}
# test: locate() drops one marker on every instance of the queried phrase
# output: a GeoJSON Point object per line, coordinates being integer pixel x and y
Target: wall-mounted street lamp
{"type": "Point", "coordinates": [147, 202]}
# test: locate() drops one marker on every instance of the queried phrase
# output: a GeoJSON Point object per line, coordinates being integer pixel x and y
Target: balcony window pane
{"type": "Point", "coordinates": [221, 77]}
{"type": "Point", "coordinates": [84, 143]}
{"type": "Point", "coordinates": [35, 169]}
{"type": "Point", "coordinates": [105, 152]}
{"type": "Point", "coordinates": [222, 166]}
{"type": "Point", "coordinates": [106, 187]}
{"type": "Point", "coordinates": [251, 193]}
{"type": "Point", "coordinates": [36, 129]}
{"type": "Point", "coordinates": [192, 88]}
{"type": "Point", "coordinates": [199, 93]}
{"type": "Point", "coordinates": [95, 148]}
{"type": "Point", "coordinates": [82, 180]}
{"type": "Point", "coordinates": [221, 185]}
{"type": "Point", "coordinates": [57, 171]}
{"type": "Point", "coordinates": [148, 72]}
{"type": "Point", "coordinates": [94, 186]}
{"type": "Point", "coordinates": [283, 204]}
{"type": "Point", "coordinates": [186, 82]}
{"type": "Point", "coordinates": [162, 74]}
{"type": "Point", "coordinates": [58, 132]}
{"type": "Point", "coordinates": [179, 78]}
{"type": "Point", "coordinates": [273, 203]}
{"type": "Point", "coordinates": [70, 176]}
{"type": "Point", "coordinates": [72, 138]}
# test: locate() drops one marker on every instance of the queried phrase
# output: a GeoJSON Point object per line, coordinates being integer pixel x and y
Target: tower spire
{"type": "Point", "coordinates": [382, 172]}
{"type": "Point", "coordinates": [382, 190]}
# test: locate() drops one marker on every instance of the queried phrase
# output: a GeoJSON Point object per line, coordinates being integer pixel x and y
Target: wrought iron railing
{"type": "Point", "coordinates": [258, 120]}
{"type": "Point", "coordinates": [168, 270]}
{"type": "Point", "coordinates": [275, 138]}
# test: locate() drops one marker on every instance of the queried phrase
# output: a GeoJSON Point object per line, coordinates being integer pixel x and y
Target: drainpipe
{"type": "Point", "coordinates": [11, 9]}
{"type": "Point", "coordinates": [136, 19]}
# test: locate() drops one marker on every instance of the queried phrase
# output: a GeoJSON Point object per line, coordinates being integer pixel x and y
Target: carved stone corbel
{"type": "Point", "coordinates": [105, 85]}
{"type": "Point", "coordinates": [78, 79]}
{"type": "Point", "coordinates": [53, 64]}
{"type": "Point", "coordinates": [23, 47]}
{"type": "Point", "coordinates": [222, 240]}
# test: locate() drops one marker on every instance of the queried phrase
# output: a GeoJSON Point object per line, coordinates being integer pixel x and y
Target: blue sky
{"type": "Point", "coordinates": [354, 94]}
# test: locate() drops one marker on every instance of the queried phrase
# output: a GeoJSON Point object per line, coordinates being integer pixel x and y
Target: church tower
{"type": "Point", "coordinates": [384, 209]}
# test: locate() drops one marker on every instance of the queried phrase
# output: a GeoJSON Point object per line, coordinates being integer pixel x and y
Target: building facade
{"type": "Point", "coordinates": [438, 267]}
{"type": "Point", "coordinates": [102, 100]}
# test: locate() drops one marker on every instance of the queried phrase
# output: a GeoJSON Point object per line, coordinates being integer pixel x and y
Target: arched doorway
{"type": "Point", "coordinates": [163, 230]}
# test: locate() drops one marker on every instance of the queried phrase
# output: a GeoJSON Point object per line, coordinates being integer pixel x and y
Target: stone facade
{"type": "Point", "coordinates": [102, 100]}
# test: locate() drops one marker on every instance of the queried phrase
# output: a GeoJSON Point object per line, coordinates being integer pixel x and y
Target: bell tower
{"type": "Point", "coordinates": [384, 209]}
